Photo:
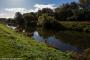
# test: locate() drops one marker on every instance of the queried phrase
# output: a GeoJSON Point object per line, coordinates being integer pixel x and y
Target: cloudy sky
{"type": "Point", "coordinates": [9, 7]}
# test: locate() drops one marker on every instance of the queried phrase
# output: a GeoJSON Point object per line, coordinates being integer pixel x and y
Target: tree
{"type": "Point", "coordinates": [48, 22]}
{"type": "Point", "coordinates": [30, 21]}
{"type": "Point", "coordinates": [45, 10]}
{"type": "Point", "coordinates": [63, 12]}
{"type": "Point", "coordinates": [44, 18]}
{"type": "Point", "coordinates": [11, 22]}
{"type": "Point", "coordinates": [74, 5]}
{"type": "Point", "coordinates": [19, 21]}
{"type": "Point", "coordinates": [85, 3]}
{"type": "Point", "coordinates": [85, 14]}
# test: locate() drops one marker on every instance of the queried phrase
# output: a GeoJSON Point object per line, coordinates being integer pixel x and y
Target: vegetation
{"type": "Point", "coordinates": [19, 21]}
{"type": "Point", "coordinates": [15, 45]}
{"type": "Point", "coordinates": [30, 21]}
{"type": "Point", "coordinates": [49, 23]}
{"type": "Point", "coordinates": [48, 18]}
{"type": "Point", "coordinates": [76, 26]}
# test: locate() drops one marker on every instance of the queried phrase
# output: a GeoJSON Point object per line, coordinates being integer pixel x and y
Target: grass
{"type": "Point", "coordinates": [16, 45]}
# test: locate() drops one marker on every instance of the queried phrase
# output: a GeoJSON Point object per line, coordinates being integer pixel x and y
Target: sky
{"type": "Point", "coordinates": [9, 7]}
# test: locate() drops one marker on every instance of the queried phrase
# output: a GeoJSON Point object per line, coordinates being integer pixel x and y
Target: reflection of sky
{"type": "Point", "coordinates": [52, 41]}
{"type": "Point", "coordinates": [37, 37]}
{"type": "Point", "coordinates": [61, 45]}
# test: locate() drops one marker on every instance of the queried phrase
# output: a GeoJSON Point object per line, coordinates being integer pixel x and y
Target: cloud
{"type": "Point", "coordinates": [10, 12]}
{"type": "Point", "coordinates": [14, 10]}
{"type": "Point", "coordinates": [6, 15]}
{"type": "Point", "coordinates": [36, 6]}
{"type": "Point", "coordinates": [41, 6]}
{"type": "Point", "coordinates": [2, 14]}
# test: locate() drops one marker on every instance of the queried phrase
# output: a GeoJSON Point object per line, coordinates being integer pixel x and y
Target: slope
{"type": "Point", "coordinates": [15, 45]}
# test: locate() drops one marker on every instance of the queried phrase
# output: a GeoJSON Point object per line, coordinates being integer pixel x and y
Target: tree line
{"type": "Point", "coordinates": [49, 18]}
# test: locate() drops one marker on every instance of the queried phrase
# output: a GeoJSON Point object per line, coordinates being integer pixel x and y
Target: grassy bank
{"type": "Point", "coordinates": [15, 45]}
{"type": "Point", "coordinates": [83, 26]}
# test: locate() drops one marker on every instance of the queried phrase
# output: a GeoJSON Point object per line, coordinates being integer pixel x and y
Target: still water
{"type": "Point", "coordinates": [54, 42]}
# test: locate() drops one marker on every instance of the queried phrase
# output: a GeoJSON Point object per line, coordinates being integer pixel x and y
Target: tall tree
{"type": "Point", "coordinates": [45, 19]}
{"type": "Point", "coordinates": [30, 21]}
{"type": "Point", "coordinates": [61, 13]}
{"type": "Point", "coordinates": [20, 21]}
{"type": "Point", "coordinates": [45, 10]}
{"type": "Point", "coordinates": [48, 22]}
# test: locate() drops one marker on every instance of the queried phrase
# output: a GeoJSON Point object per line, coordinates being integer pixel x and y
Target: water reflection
{"type": "Point", "coordinates": [37, 37]}
{"type": "Point", "coordinates": [11, 27]}
{"type": "Point", "coordinates": [57, 43]}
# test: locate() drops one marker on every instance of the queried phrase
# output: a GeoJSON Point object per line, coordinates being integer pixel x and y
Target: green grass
{"type": "Point", "coordinates": [16, 45]}
{"type": "Point", "coordinates": [76, 26]}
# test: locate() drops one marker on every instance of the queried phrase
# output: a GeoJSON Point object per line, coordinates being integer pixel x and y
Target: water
{"type": "Point", "coordinates": [37, 37]}
{"type": "Point", "coordinates": [54, 42]}
{"type": "Point", "coordinates": [11, 27]}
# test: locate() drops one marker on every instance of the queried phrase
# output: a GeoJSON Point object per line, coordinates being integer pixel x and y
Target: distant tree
{"type": "Point", "coordinates": [49, 22]}
{"type": "Point", "coordinates": [84, 14]}
{"type": "Point", "coordinates": [74, 5]}
{"type": "Point", "coordinates": [11, 22]}
{"type": "Point", "coordinates": [48, 11]}
{"type": "Point", "coordinates": [72, 12]}
{"type": "Point", "coordinates": [85, 3]}
{"type": "Point", "coordinates": [43, 19]}
{"type": "Point", "coordinates": [39, 13]}
{"type": "Point", "coordinates": [20, 21]}
{"type": "Point", "coordinates": [30, 21]}
{"type": "Point", "coordinates": [45, 10]}
{"type": "Point", "coordinates": [61, 13]}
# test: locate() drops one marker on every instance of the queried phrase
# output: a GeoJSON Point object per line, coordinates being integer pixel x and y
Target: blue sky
{"type": "Point", "coordinates": [30, 3]}
{"type": "Point", "coordinates": [9, 7]}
